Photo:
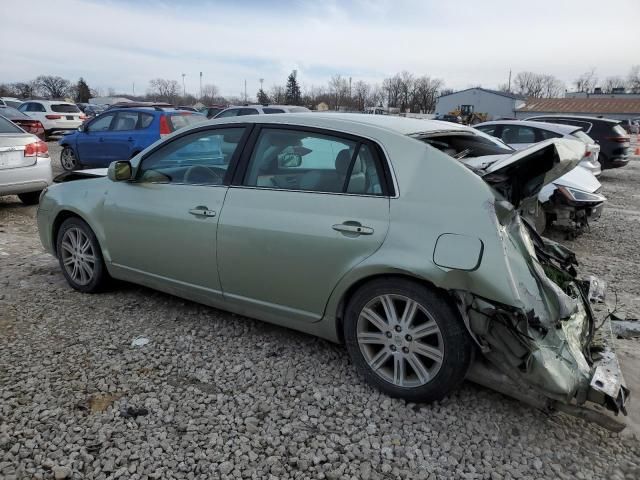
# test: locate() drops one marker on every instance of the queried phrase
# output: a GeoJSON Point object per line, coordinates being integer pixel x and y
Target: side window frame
{"type": "Point", "coordinates": [233, 162]}
{"type": "Point", "coordinates": [381, 162]}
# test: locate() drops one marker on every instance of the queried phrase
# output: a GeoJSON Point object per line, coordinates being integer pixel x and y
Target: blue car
{"type": "Point", "coordinates": [121, 133]}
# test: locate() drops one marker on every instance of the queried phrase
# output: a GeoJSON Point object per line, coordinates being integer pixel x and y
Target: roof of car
{"type": "Point", "coordinates": [553, 127]}
{"type": "Point", "coordinates": [392, 123]}
{"type": "Point", "coordinates": [576, 117]}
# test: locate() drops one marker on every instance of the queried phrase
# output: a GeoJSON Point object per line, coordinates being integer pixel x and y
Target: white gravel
{"type": "Point", "coordinates": [221, 396]}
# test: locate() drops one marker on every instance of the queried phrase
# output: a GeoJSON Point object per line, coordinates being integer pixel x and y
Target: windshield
{"type": "Point", "coordinates": [461, 144]}
{"type": "Point", "coordinates": [64, 108]}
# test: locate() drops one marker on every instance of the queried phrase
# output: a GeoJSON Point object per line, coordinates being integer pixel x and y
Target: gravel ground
{"type": "Point", "coordinates": [215, 395]}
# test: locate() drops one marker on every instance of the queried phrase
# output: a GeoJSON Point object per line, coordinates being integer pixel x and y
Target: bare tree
{"type": "Point", "coordinates": [339, 88]}
{"type": "Point", "coordinates": [633, 79]}
{"type": "Point", "coordinates": [504, 87]}
{"type": "Point", "coordinates": [278, 94]}
{"type": "Point", "coordinates": [425, 94]}
{"type": "Point", "coordinates": [164, 90]}
{"type": "Point", "coordinates": [24, 89]}
{"type": "Point", "coordinates": [586, 82]}
{"type": "Point", "coordinates": [612, 83]}
{"type": "Point", "coordinates": [536, 85]}
{"type": "Point", "coordinates": [209, 93]}
{"type": "Point", "coordinates": [361, 93]}
{"type": "Point", "coordinates": [52, 87]}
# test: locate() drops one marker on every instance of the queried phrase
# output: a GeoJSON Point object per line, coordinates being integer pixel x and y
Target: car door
{"type": "Point", "coordinates": [121, 137]}
{"type": "Point", "coordinates": [160, 228]}
{"type": "Point", "coordinates": [90, 145]}
{"type": "Point", "coordinates": [305, 207]}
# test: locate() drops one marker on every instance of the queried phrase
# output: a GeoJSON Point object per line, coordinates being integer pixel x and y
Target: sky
{"type": "Point", "coordinates": [122, 44]}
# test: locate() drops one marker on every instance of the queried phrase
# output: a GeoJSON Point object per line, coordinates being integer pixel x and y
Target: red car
{"type": "Point", "coordinates": [28, 124]}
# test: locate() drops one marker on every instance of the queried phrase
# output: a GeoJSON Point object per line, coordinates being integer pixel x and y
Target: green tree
{"type": "Point", "coordinates": [82, 91]}
{"type": "Point", "coordinates": [262, 97]}
{"type": "Point", "coordinates": [293, 95]}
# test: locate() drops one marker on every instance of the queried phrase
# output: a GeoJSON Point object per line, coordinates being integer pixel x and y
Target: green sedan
{"type": "Point", "coordinates": [355, 229]}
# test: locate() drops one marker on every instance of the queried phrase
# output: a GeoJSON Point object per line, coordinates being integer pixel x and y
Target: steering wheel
{"type": "Point", "coordinates": [199, 174]}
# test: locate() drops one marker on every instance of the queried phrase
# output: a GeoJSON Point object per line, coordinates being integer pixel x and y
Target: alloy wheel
{"type": "Point", "coordinates": [68, 159]}
{"type": "Point", "coordinates": [400, 340]}
{"type": "Point", "coordinates": [78, 256]}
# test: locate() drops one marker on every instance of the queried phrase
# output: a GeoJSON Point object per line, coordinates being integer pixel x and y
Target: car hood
{"type": "Point", "coordinates": [523, 174]}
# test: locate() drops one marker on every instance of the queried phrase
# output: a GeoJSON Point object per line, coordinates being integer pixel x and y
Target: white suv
{"type": "Point", "coordinates": [238, 111]}
{"type": "Point", "coordinates": [55, 116]}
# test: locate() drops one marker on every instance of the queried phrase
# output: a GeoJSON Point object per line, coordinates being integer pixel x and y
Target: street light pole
{"type": "Point", "coordinates": [184, 90]}
{"type": "Point", "coordinates": [200, 85]}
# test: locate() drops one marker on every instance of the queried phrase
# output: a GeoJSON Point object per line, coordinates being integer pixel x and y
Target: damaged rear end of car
{"type": "Point", "coordinates": [544, 347]}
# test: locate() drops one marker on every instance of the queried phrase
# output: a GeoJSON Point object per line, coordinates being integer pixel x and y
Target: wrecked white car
{"type": "Point", "coordinates": [570, 201]}
{"type": "Point", "coordinates": [351, 228]}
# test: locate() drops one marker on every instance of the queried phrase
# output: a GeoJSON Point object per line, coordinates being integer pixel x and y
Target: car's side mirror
{"type": "Point", "coordinates": [119, 171]}
{"type": "Point", "coordinates": [82, 128]}
{"type": "Point", "coordinates": [289, 160]}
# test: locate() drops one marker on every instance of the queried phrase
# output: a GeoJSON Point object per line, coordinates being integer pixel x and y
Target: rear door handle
{"type": "Point", "coordinates": [202, 212]}
{"type": "Point", "coordinates": [130, 139]}
{"type": "Point", "coordinates": [353, 228]}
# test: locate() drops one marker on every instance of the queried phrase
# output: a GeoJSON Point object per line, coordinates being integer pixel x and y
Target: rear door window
{"type": "Point", "coordinates": [125, 121]}
{"type": "Point", "coordinates": [248, 111]}
{"type": "Point", "coordinates": [272, 110]}
{"type": "Point", "coordinates": [517, 134]}
{"type": "Point", "coordinates": [64, 108]}
{"type": "Point", "coordinates": [488, 129]}
{"type": "Point", "coordinates": [232, 112]}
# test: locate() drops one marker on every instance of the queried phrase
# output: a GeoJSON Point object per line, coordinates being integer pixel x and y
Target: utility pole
{"type": "Point", "coordinates": [200, 84]}
{"type": "Point", "coordinates": [509, 87]}
{"type": "Point", "coordinates": [245, 90]}
{"type": "Point", "coordinates": [134, 88]}
{"type": "Point", "coordinates": [184, 90]}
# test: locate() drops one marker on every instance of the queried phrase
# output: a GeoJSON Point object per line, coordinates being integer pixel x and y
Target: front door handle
{"type": "Point", "coordinates": [202, 212]}
{"type": "Point", "coordinates": [354, 228]}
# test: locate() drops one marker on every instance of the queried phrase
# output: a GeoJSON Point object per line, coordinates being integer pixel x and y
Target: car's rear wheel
{"type": "Point", "coordinates": [68, 159]}
{"type": "Point", "coordinates": [29, 198]}
{"type": "Point", "coordinates": [406, 340]}
{"type": "Point", "coordinates": [80, 256]}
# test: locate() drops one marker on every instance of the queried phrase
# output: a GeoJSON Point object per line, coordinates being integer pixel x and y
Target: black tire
{"type": "Point", "coordinates": [99, 277]}
{"type": "Point", "coordinates": [68, 159]}
{"type": "Point", "coordinates": [602, 159]}
{"type": "Point", "coordinates": [30, 198]}
{"type": "Point", "coordinates": [457, 347]}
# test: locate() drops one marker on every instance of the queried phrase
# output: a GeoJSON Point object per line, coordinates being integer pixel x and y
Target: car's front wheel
{"type": "Point", "coordinates": [80, 256]}
{"type": "Point", "coordinates": [407, 340]}
{"type": "Point", "coordinates": [68, 159]}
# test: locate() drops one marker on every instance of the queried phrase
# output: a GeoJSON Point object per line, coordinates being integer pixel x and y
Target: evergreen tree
{"type": "Point", "coordinates": [82, 91]}
{"type": "Point", "coordinates": [292, 95]}
{"type": "Point", "coordinates": [263, 98]}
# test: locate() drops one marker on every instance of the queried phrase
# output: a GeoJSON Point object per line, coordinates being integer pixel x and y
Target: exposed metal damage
{"type": "Point", "coordinates": [544, 350]}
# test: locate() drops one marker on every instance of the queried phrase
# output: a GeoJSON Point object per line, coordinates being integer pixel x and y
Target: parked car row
{"type": "Point", "coordinates": [398, 237]}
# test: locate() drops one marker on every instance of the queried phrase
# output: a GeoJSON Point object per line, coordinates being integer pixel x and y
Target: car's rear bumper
{"type": "Point", "coordinates": [26, 179]}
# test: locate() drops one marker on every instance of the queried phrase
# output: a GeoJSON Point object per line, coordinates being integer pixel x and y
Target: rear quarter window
{"type": "Point", "coordinates": [8, 127]}
{"type": "Point", "coordinates": [272, 110]}
{"type": "Point", "coordinates": [145, 120]}
{"type": "Point", "coordinates": [64, 108]}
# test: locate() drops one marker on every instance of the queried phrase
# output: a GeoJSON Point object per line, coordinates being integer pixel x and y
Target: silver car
{"type": "Point", "coordinates": [25, 166]}
{"type": "Point", "coordinates": [352, 228]}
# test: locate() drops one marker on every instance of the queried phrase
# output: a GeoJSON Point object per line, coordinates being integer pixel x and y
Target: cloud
{"type": "Point", "coordinates": [118, 43]}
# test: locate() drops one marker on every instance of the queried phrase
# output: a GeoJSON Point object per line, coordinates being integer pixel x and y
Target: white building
{"type": "Point", "coordinates": [492, 102]}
